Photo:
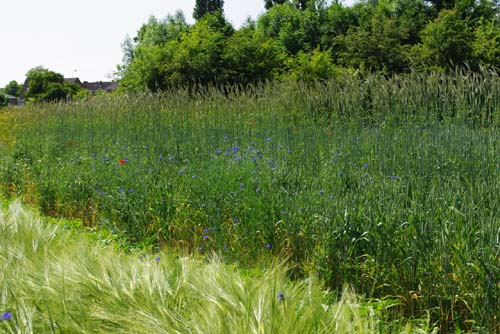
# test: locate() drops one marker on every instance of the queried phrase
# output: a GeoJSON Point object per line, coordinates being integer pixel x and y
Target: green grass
{"type": "Point", "coordinates": [55, 280]}
{"type": "Point", "coordinates": [390, 185]}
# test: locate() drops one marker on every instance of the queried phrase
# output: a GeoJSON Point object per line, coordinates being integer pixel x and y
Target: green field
{"type": "Point", "coordinates": [388, 185]}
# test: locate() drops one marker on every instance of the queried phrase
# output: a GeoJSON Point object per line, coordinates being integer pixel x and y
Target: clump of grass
{"type": "Point", "coordinates": [59, 281]}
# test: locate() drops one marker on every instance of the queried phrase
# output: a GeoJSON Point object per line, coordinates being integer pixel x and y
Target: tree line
{"type": "Point", "coordinates": [311, 40]}
{"type": "Point", "coordinates": [297, 40]}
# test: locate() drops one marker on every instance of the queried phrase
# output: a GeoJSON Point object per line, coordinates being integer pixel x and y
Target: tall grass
{"type": "Point", "coordinates": [58, 281]}
{"type": "Point", "coordinates": [388, 184]}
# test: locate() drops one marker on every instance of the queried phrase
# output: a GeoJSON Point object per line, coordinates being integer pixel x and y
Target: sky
{"type": "Point", "coordinates": [83, 38]}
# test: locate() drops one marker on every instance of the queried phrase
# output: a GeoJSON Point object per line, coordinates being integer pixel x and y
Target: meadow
{"type": "Point", "coordinates": [389, 185]}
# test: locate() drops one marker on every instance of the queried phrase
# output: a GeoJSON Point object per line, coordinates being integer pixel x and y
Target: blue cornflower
{"type": "Point", "coordinates": [121, 190]}
{"type": "Point", "coordinates": [181, 172]}
{"type": "Point", "coordinates": [365, 165]}
{"type": "Point", "coordinates": [171, 158]}
{"type": "Point", "coordinates": [100, 192]}
{"type": "Point", "coordinates": [321, 192]}
{"type": "Point", "coordinates": [218, 151]}
{"type": "Point", "coordinates": [236, 149]}
{"type": "Point", "coordinates": [281, 296]}
{"type": "Point", "coordinates": [237, 159]}
{"type": "Point", "coordinates": [194, 177]}
{"type": "Point", "coordinates": [205, 237]}
{"type": "Point", "coordinates": [160, 157]}
{"type": "Point", "coordinates": [6, 316]}
{"type": "Point", "coordinates": [242, 185]}
{"type": "Point", "coordinates": [236, 220]}
{"type": "Point", "coordinates": [226, 138]}
{"type": "Point", "coordinates": [271, 164]}
{"type": "Point", "coordinates": [232, 193]}
{"type": "Point", "coordinates": [158, 258]}
{"type": "Point", "coordinates": [130, 191]}
{"type": "Point", "coordinates": [200, 248]}
{"type": "Point", "coordinates": [205, 231]}
{"type": "Point", "coordinates": [394, 177]}
{"type": "Point", "coordinates": [267, 246]}
{"type": "Point", "coordinates": [330, 196]}
{"type": "Point", "coordinates": [289, 151]}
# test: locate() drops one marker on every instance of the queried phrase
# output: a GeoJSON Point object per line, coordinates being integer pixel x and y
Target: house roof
{"type": "Point", "coordinates": [8, 96]}
{"type": "Point", "coordinates": [75, 81]}
{"type": "Point", "coordinates": [100, 85]}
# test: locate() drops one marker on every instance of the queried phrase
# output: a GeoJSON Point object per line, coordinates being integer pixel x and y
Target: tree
{"type": "Point", "coordinates": [3, 100]}
{"type": "Point", "coordinates": [294, 29]}
{"type": "Point", "coordinates": [270, 3]}
{"type": "Point", "coordinates": [12, 88]}
{"type": "Point", "coordinates": [250, 58]}
{"type": "Point", "coordinates": [46, 85]}
{"type": "Point", "coordinates": [486, 45]}
{"type": "Point", "coordinates": [313, 66]}
{"type": "Point", "coordinates": [204, 7]}
{"type": "Point", "coordinates": [195, 58]}
{"type": "Point", "coordinates": [162, 31]}
{"type": "Point", "coordinates": [446, 41]}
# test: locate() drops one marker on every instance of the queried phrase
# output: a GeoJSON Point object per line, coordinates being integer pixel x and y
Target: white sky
{"type": "Point", "coordinates": [83, 38]}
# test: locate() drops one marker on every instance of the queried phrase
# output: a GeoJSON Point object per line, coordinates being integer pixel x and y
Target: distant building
{"type": "Point", "coordinates": [92, 87]}
{"type": "Point", "coordinates": [105, 86]}
{"type": "Point", "coordinates": [73, 81]}
{"type": "Point", "coordinates": [13, 101]}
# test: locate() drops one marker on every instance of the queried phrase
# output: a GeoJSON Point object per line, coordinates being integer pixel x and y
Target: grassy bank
{"type": "Point", "coordinates": [390, 185]}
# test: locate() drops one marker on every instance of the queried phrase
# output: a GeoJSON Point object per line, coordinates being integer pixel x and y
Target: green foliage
{"type": "Point", "coordinates": [270, 3]}
{"type": "Point", "coordinates": [39, 78]}
{"type": "Point", "coordinates": [294, 29]}
{"type": "Point", "coordinates": [251, 58]}
{"type": "Point", "coordinates": [386, 37]}
{"type": "Point", "coordinates": [446, 42]}
{"type": "Point", "coordinates": [376, 47]}
{"type": "Point", "coordinates": [157, 32]}
{"type": "Point", "coordinates": [204, 7]}
{"type": "Point", "coordinates": [4, 101]}
{"type": "Point", "coordinates": [486, 45]}
{"type": "Point", "coordinates": [13, 88]}
{"type": "Point", "coordinates": [48, 86]}
{"type": "Point", "coordinates": [313, 66]}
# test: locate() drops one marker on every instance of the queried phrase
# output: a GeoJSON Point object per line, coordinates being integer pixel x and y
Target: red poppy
{"type": "Point", "coordinates": [122, 162]}
{"type": "Point", "coordinates": [70, 142]}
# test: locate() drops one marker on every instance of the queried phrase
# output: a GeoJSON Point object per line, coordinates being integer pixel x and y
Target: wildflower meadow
{"type": "Point", "coordinates": [387, 185]}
